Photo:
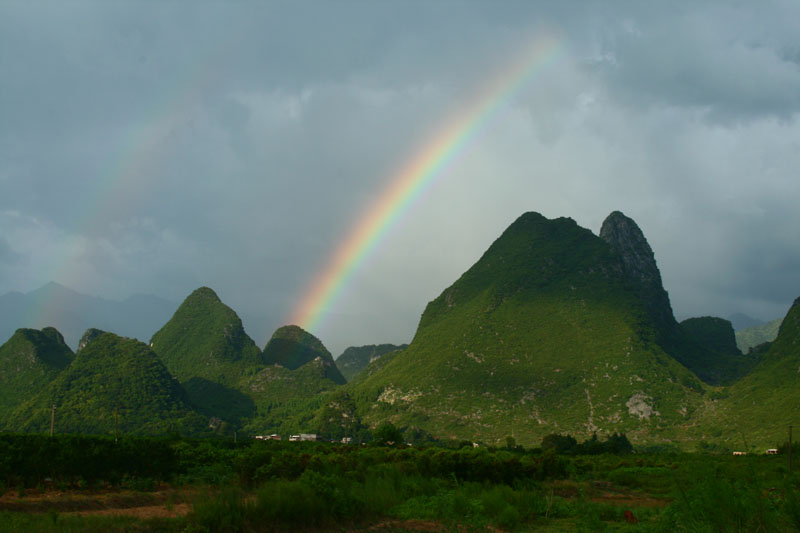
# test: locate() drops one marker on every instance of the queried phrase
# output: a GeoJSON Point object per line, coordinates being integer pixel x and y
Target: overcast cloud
{"type": "Point", "coordinates": [156, 147]}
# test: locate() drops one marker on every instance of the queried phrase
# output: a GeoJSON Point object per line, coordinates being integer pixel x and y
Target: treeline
{"type": "Point", "coordinates": [76, 460]}
{"type": "Point", "coordinates": [32, 460]}
{"type": "Point", "coordinates": [617, 444]}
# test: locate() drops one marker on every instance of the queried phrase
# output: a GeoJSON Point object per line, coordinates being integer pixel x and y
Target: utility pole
{"type": "Point", "coordinates": [53, 420]}
{"type": "Point", "coordinates": [790, 450]}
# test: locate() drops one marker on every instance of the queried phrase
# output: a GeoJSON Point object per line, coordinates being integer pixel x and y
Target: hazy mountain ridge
{"type": "Point", "coordinates": [759, 334]}
{"type": "Point", "coordinates": [72, 313]}
{"type": "Point", "coordinates": [742, 321]}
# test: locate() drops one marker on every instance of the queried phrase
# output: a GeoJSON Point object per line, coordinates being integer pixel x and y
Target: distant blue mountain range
{"type": "Point", "coordinates": [72, 313]}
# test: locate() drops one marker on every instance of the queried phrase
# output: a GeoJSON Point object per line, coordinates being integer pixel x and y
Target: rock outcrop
{"type": "Point", "coordinates": [90, 335]}
{"type": "Point", "coordinates": [639, 265]}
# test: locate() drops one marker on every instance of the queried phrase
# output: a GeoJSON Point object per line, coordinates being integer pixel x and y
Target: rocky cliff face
{"type": "Point", "coordinates": [90, 335]}
{"type": "Point", "coordinates": [689, 346]}
{"type": "Point", "coordinates": [639, 266]}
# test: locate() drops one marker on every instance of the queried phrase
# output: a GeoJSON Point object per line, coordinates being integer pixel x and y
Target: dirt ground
{"type": "Point", "coordinates": [171, 502]}
{"type": "Point", "coordinates": [164, 502]}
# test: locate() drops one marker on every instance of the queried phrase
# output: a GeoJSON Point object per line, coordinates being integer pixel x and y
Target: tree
{"type": "Point", "coordinates": [560, 443]}
{"type": "Point", "coordinates": [619, 444]}
{"type": "Point", "coordinates": [388, 434]}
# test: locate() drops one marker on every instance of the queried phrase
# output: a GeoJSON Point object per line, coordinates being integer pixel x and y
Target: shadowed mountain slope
{"type": "Point", "coordinates": [758, 409]}
{"type": "Point", "coordinates": [713, 333]}
{"type": "Point", "coordinates": [113, 384]}
{"type": "Point", "coordinates": [644, 278]}
{"type": "Point", "coordinates": [29, 360]}
{"type": "Point", "coordinates": [722, 362]}
{"type": "Point", "coordinates": [289, 391]}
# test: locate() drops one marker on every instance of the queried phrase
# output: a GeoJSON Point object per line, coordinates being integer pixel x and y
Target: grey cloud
{"type": "Point", "coordinates": [7, 255]}
{"type": "Point", "coordinates": [718, 57]}
{"type": "Point", "coordinates": [155, 148]}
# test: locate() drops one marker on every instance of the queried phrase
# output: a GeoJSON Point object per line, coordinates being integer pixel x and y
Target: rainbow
{"type": "Point", "coordinates": [412, 180]}
{"type": "Point", "coordinates": [122, 181]}
{"type": "Point", "coordinates": [124, 174]}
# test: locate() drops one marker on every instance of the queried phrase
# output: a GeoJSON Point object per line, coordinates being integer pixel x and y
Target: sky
{"type": "Point", "coordinates": [156, 147]}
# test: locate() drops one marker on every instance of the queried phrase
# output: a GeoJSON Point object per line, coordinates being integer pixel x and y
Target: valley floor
{"type": "Point", "coordinates": [88, 484]}
{"type": "Point", "coordinates": [600, 493]}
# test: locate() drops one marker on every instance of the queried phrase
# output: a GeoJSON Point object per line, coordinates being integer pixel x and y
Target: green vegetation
{"type": "Point", "coordinates": [114, 385]}
{"type": "Point", "coordinates": [292, 347]}
{"type": "Point", "coordinates": [544, 334]}
{"type": "Point", "coordinates": [29, 360]}
{"type": "Point", "coordinates": [768, 397]}
{"type": "Point", "coordinates": [286, 486]}
{"type": "Point", "coordinates": [205, 339]}
{"type": "Point", "coordinates": [713, 333]}
{"type": "Point", "coordinates": [553, 330]}
{"type": "Point", "coordinates": [234, 384]}
{"type": "Point", "coordinates": [751, 337]}
{"type": "Point", "coordinates": [90, 335]}
{"type": "Point", "coordinates": [373, 366]}
{"type": "Point", "coordinates": [617, 444]}
{"type": "Point", "coordinates": [356, 358]}
{"type": "Point", "coordinates": [205, 346]}
{"type": "Point", "coordinates": [287, 400]}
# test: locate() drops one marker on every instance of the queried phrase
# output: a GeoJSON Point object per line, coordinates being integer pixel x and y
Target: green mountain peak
{"type": "Point", "coordinates": [203, 294]}
{"type": "Point", "coordinates": [292, 347]}
{"type": "Point", "coordinates": [29, 360]}
{"type": "Point", "coordinates": [114, 382]}
{"type": "Point", "coordinates": [205, 338]}
{"type": "Point", "coordinates": [206, 348]}
{"type": "Point", "coordinates": [547, 332]}
{"type": "Point", "coordinates": [639, 265]}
